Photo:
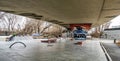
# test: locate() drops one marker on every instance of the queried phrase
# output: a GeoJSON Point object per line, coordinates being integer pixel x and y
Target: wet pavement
{"type": "Point", "coordinates": [60, 51]}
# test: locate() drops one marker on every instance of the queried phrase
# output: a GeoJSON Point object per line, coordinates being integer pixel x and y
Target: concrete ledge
{"type": "Point", "coordinates": [106, 53]}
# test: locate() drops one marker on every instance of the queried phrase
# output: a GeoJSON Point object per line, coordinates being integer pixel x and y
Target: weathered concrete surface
{"type": "Point", "coordinates": [60, 51]}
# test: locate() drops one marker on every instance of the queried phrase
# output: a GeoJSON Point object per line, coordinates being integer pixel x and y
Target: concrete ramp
{"type": "Point", "coordinates": [60, 51]}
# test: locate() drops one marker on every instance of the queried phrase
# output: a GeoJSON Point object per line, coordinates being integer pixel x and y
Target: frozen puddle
{"type": "Point", "coordinates": [60, 51]}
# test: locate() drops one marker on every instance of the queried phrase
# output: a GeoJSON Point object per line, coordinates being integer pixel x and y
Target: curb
{"type": "Point", "coordinates": [105, 52]}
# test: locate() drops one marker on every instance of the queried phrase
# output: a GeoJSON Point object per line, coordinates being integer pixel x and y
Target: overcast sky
{"type": "Point", "coordinates": [115, 22]}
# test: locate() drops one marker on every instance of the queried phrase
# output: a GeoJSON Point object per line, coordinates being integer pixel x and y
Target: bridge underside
{"type": "Point", "coordinates": [64, 12]}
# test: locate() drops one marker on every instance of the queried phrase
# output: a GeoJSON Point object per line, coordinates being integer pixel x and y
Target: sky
{"type": "Point", "coordinates": [115, 22]}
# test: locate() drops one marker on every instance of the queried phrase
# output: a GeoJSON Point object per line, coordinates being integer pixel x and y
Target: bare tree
{"type": "Point", "coordinates": [47, 26]}
{"type": "Point", "coordinates": [39, 24]}
{"type": "Point", "coordinates": [28, 28]}
{"type": "Point", "coordinates": [9, 21]}
{"type": "Point", "coordinates": [32, 26]}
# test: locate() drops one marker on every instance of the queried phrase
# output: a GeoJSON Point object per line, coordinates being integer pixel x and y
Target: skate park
{"type": "Point", "coordinates": [59, 30]}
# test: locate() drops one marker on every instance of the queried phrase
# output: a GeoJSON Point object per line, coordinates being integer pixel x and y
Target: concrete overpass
{"type": "Point", "coordinates": [62, 12]}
